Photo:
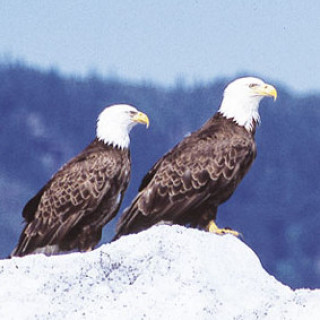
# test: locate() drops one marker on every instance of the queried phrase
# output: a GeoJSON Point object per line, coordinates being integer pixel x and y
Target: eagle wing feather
{"type": "Point", "coordinates": [73, 193]}
{"type": "Point", "coordinates": [202, 169]}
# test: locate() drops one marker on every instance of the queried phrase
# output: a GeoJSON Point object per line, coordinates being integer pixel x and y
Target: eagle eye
{"type": "Point", "coordinates": [252, 85]}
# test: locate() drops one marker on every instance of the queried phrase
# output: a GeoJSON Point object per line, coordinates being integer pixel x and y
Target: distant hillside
{"type": "Point", "coordinates": [47, 118]}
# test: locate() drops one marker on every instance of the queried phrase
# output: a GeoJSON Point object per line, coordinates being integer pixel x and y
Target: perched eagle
{"type": "Point", "coordinates": [69, 212]}
{"type": "Point", "coordinates": [187, 185]}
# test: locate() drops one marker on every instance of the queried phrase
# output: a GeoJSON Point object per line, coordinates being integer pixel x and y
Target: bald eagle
{"type": "Point", "coordinates": [187, 185]}
{"type": "Point", "coordinates": [69, 212]}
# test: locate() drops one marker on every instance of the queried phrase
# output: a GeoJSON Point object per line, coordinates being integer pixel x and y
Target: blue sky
{"type": "Point", "coordinates": [168, 39]}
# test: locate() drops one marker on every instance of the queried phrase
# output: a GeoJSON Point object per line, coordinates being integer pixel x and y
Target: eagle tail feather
{"type": "Point", "coordinates": [128, 217]}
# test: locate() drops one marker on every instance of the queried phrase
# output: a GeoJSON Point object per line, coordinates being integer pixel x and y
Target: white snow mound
{"type": "Point", "coordinates": [162, 273]}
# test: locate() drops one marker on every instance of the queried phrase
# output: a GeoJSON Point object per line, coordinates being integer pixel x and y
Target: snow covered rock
{"type": "Point", "coordinates": [162, 273]}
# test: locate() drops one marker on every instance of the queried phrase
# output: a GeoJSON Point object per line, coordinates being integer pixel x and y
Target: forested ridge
{"type": "Point", "coordinates": [46, 118]}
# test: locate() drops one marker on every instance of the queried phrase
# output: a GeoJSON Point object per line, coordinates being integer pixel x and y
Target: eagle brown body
{"type": "Point", "coordinates": [70, 211]}
{"type": "Point", "coordinates": [187, 185]}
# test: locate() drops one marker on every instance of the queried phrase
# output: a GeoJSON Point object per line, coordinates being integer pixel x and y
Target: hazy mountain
{"type": "Point", "coordinates": [47, 118]}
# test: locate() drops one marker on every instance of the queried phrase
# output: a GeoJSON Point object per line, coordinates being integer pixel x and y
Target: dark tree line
{"type": "Point", "coordinates": [47, 118]}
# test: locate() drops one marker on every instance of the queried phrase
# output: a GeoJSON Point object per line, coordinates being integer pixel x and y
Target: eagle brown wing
{"type": "Point", "coordinates": [198, 174]}
{"type": "Point", "coordinates": [74, 194]}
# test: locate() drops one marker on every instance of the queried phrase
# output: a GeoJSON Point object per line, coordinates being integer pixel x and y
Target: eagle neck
{"type": "Point", "coordinates": [220, 116]}
{"type": "Point", "coordinates": [100, 144]}
{"type": "Point", "coordinates": [243, 111]}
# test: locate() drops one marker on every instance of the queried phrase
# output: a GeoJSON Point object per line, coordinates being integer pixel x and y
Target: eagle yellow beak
{"type": "Point", "coordinates": [141, 118]}
{"type": "Point", "coordinates": [267, 90]}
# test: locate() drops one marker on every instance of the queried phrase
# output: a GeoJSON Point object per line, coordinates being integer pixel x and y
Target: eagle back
{"type": "Point", "coordinates": [207, 165]}
{"type": "Point", "coordinates": [81, 184]}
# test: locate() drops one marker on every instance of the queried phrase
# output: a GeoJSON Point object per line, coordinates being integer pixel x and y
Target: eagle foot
{"type": "Point", "coordinates": [213, 228]}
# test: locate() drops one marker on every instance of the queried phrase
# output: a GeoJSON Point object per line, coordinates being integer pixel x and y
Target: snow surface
{"type": "Point", "coordinates": [162, 273]}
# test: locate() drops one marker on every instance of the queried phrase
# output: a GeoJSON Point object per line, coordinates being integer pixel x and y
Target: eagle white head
{"type": "Point", "coordinates": [241, 100]}
{"type": "Point", "coordinates": [115, 123]}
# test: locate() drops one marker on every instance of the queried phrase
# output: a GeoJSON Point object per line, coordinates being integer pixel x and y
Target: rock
{"type": "Point", "coordinates": [166, 272]}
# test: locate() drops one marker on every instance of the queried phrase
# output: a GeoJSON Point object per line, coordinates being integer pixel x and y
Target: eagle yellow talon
{"type": "Point", "coordinates": [212, 227]}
